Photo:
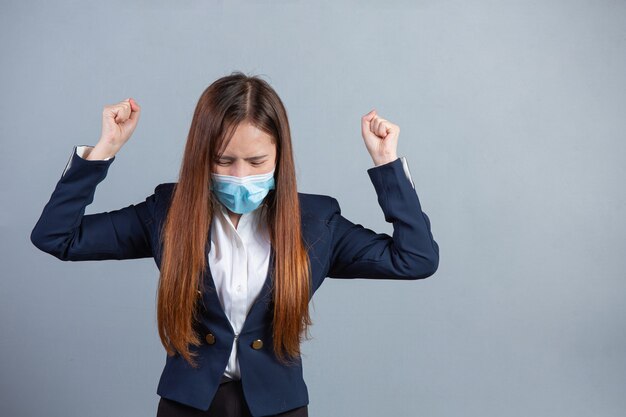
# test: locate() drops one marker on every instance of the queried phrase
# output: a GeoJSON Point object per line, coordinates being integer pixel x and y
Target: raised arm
{"type": "Point", "coordinates": [66, 233]}
{"type": "Point", "coordinates": [359, 252]}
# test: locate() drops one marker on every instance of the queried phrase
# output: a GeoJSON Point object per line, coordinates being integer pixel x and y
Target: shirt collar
{"type": "Point", "coordinates": [245, 218]}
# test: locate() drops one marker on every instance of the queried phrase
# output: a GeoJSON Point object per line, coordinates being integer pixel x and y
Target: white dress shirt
{"type": "Point", "coordinates": [238, 261]}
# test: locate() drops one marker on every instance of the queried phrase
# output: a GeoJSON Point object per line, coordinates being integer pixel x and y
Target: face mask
{"type": "Point", "coordinates": [242, 194]}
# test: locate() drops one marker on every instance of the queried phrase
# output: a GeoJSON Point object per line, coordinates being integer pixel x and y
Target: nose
{"type": "Point", "coordinates": [239, 170]}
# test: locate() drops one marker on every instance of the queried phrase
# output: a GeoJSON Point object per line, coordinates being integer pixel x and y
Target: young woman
{"type": "Point", "coordinates": [240, 251]}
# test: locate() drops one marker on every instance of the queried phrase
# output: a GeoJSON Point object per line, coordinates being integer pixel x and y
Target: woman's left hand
{"type": "Point", "coordinates": [381, 138]}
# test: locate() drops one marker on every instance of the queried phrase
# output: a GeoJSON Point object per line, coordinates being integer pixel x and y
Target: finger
{"type": "Point", "coordinates": [373, 125]}
{"type": "Point", "coordinates": [123, 112]}
{"type": "Point", "coordinates": [117, 111]}
{"type": "Point", "coordinates": [136, 110]}
{"type": "Point", "coordinates": [134, 105]}
{"type": "Point", "coordinates": [376, 125]}
{"type": "Point", "coordinates": [369, 116]}
{"type": "Point", "coordinates": [365, 121]}
{"type": "Point", "coordinates": [383, 129]}
{"type": "Point", "coordinates": [127, 108]}
{"type": "Point", "coordinates": [111, 111]}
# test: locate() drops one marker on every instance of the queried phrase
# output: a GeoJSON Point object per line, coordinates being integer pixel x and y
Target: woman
{"type": "Point", "coordinates": [240, 250]}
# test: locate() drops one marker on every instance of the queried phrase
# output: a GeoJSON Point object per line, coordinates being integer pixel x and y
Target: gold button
{"type": "Point", "coordinates": [210, 338]}
{"type": "Point", "coordinates": [257, 344]}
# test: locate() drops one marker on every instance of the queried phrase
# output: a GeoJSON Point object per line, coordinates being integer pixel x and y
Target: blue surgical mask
{"type": "Point", "coordinates": [242, 194]}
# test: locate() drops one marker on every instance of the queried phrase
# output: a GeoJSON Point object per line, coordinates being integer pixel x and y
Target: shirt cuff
{"type": "Point", "coordinates": [405, 166]}
{"type": "Point", "coordinates": [80, 150]}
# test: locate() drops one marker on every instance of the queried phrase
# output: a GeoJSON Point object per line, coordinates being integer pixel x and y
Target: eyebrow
{"type": "Point", "coordinates": [252, 158]}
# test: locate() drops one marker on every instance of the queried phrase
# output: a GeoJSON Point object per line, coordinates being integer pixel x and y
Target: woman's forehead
{"type": "Point", "coordinates": [246, 144]}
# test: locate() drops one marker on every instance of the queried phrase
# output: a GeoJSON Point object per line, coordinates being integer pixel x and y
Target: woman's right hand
{"type": "Point", "coordinates": [118, 124]}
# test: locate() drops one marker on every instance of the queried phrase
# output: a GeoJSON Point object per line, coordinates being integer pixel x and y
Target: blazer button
{"type": "Point", "coordinates": [257, 344]}
{"type": "Point", "coordinates": [210, 338]}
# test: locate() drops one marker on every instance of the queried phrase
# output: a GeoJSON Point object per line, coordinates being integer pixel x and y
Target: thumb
{"type": "Point", "coordinates": [135, 110]}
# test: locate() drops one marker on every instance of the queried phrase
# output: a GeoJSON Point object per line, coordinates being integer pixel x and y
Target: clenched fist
{"type": "Point", "coordinates": [118, 124]}
{"type": "Point", "coordinates": [381, 138]}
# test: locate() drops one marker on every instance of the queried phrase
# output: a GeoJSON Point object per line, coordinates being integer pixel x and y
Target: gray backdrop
{"type": "Point", "coordinates": [512, 121]}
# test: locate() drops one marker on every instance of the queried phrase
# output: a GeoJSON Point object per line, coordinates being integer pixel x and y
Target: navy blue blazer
{"type": "Point", "coordinates": [337, 248]}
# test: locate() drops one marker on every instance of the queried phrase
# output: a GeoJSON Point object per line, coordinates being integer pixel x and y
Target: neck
{"type": "Point", "coordinates": [234, 217]}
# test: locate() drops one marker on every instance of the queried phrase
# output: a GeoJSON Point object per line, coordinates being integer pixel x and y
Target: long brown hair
{"type": "Point", "coordinates": [223, 105]}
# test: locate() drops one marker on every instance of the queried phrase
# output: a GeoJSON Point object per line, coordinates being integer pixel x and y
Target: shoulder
{"type": "Point", "coordinates": [160, 198]}
{"type": "Point", "coordinates": [164, 189]}
{"type": "Point", "coordinates": [163, 192]}
{"type": "Point", "coordinates": [317, 205]}
{"type": "Point", "coordinates": [309, 198]}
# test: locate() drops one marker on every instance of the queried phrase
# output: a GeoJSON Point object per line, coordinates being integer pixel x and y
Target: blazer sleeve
{"type": "Point", "coordinates": [359, 252]}
{"type": "Point", "coordinates": [64, 231]}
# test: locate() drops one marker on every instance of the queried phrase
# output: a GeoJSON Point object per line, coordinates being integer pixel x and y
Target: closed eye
{"type": "Point", "coordinates": [252, 163]}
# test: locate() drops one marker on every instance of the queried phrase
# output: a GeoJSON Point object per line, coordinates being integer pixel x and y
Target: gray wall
{"type": "Point", "coordinates": [512, 121]}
